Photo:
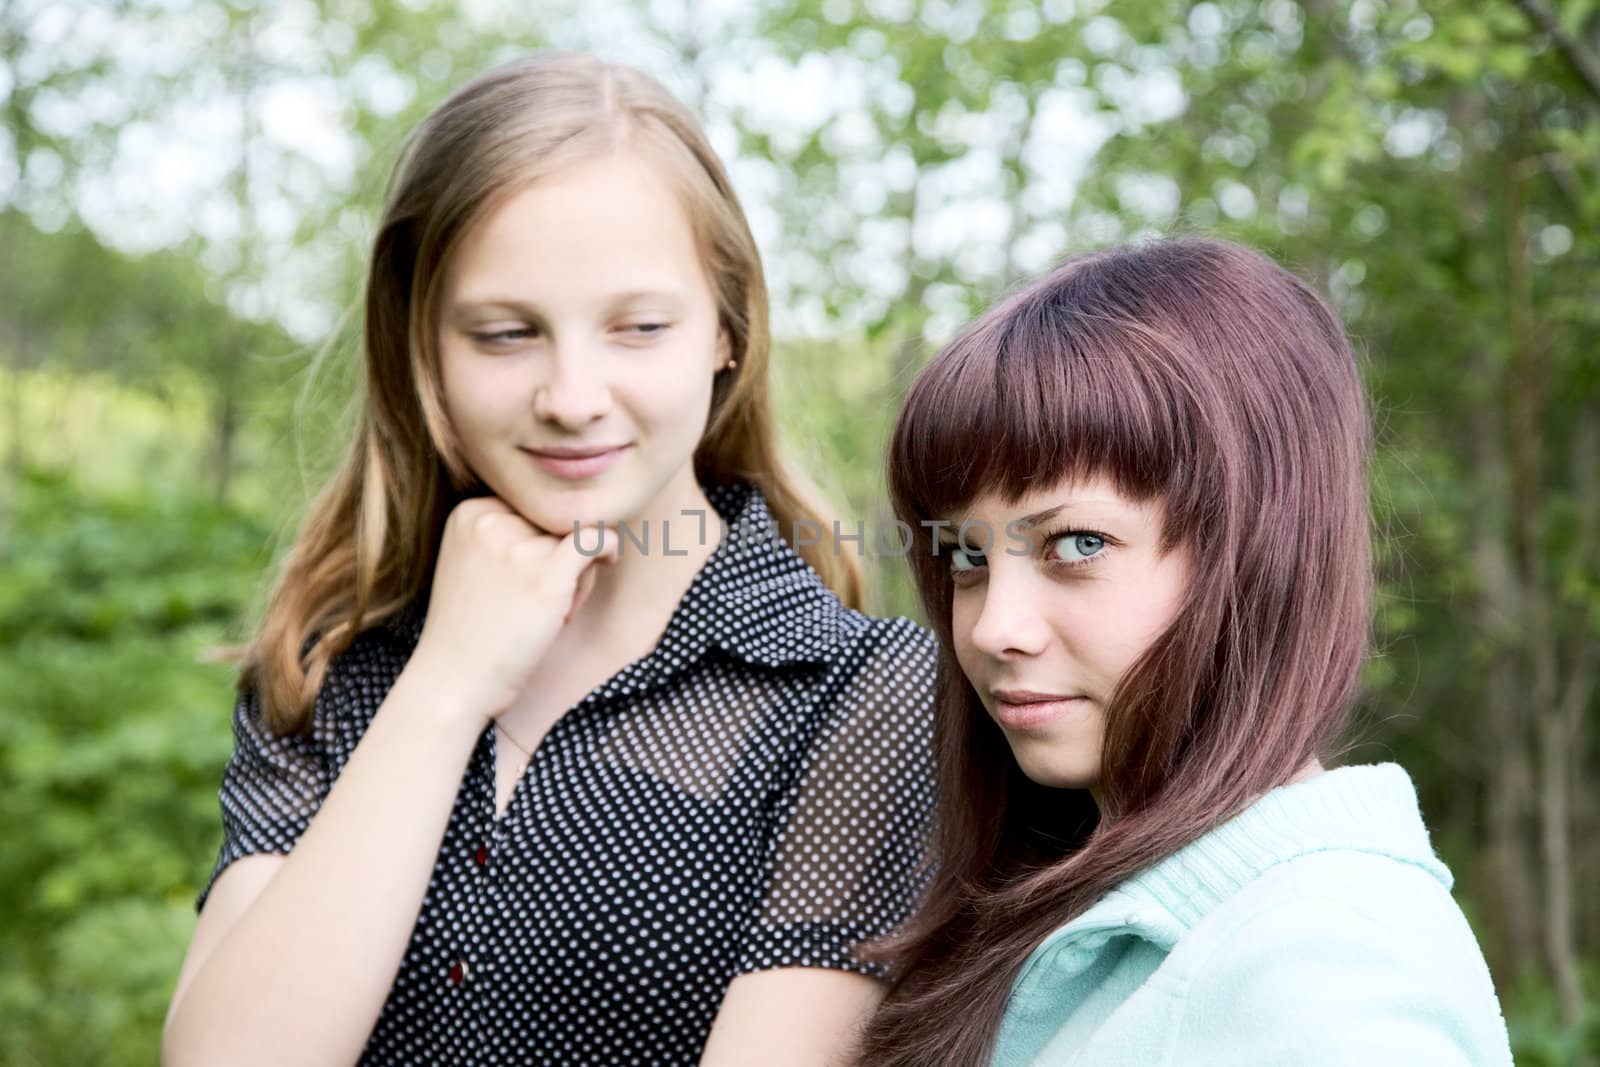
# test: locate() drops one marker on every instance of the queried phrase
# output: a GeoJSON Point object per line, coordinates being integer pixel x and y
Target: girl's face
{"type": "Point", "coordinates": [578, 341]}
{"type": "Point", "coordinates": [1059, 595]}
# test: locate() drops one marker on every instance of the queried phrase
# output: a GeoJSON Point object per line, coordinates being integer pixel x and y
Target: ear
{"type": "Point", "coordinates": [724, 349]}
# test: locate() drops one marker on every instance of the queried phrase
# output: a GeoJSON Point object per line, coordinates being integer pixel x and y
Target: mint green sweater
{"type": "Point", "coordinates": [1314, 928]}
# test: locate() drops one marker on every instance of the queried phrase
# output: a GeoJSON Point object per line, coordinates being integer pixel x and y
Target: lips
{"type": "Point", "coordinates": [1024, 709]}
{"type": "Point", "coordinates": [1029, 696]}
{"type": "Point", "coordinates": [574, 463]}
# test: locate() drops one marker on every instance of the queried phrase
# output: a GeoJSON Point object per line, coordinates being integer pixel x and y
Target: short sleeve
{"type": "Point", "coordinates": [271, 788]}
{"type": "Point", "coordinates": [1318, 983]}
{"type": "Point", "coordinates": [854, 833]}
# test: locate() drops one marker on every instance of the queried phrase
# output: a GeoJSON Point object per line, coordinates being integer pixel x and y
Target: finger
{"type": "Point", "coordinates": [507, 531]}
{"type": "Point", "coordinates": [469, 509]}
{"type": "Point", "coordinates": [577, 551]}
{"type": "Point", "coordinates": [581, 593]}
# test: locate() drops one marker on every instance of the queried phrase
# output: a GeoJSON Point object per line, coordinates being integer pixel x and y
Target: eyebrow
{"type": "Point", "coordinates": [631, 296]}
{"type": "Point", "coordinates": [1030, 521]}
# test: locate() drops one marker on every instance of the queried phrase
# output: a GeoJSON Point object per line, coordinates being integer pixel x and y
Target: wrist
{"type": "Point", "coordinates": [429, 690]}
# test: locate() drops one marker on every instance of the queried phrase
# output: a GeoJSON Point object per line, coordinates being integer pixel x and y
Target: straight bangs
{"type": "Point", "coordinates": [1057, 383]}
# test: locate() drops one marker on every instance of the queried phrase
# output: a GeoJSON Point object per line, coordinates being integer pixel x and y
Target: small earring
{"type": "Point", "coordinates": [732, 363]}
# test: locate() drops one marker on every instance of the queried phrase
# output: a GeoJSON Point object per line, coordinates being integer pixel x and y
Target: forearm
{"type": "Point", "coordinates": [304, 972]}
{"type": "Point", "coordinates": [791, 1017]}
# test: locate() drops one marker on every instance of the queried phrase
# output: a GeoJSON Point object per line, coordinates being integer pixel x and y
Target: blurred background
{"type": "Point", "coordinates": [188, 189]}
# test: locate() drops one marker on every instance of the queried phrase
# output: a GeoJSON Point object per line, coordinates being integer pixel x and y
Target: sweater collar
{"type": "Point", "coordinates": [1369, 809]}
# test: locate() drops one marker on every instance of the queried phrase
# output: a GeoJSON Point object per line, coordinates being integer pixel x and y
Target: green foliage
{"type": "Point", "coordinates": [1538, 1036]}
{"type": "Point", "coordinates": [113, 735]}
{"type": "Point", "coordinates": [1429, 165]}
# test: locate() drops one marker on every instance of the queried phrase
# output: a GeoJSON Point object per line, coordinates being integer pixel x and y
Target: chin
{"type": "Point", "coordinates": [555, 509]}
{"type": "Point", "coordinates": [559, 522]}
{"type": "Point", "coordinates": [1053, 772]}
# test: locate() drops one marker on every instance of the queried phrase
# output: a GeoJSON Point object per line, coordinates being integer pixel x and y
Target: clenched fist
{"type": "Point", "coordinates": [502, 590]}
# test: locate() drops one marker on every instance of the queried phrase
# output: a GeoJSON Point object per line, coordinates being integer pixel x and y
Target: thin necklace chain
{"type": "Point", "coordinates": [519, 745]}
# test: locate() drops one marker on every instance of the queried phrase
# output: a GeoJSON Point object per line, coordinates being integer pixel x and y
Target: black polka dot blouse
{"type": "Point", "coordinates": [756, 792]}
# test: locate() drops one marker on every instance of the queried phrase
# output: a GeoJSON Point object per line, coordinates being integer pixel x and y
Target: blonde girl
{"type": "Point", "coordinates": [561, 740]}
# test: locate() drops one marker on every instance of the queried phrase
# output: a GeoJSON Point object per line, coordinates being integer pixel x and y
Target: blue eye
{"type": "Point", "coordinates": [966, 559]}
{"type": "Point", "coordinates": [1073, 547]}
{"type": "Point", "coordinates": [640, 333]}
{"type": "Point", "coordinates": [504, 337]}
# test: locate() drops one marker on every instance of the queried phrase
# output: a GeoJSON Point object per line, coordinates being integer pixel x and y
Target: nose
{"type": "Point", "coordinates": [576, 391]}
{"type": "Point", "coordinates": [1011, 622]}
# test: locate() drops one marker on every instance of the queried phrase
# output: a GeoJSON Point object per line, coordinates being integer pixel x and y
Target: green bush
{"type": "Point", "coordinates": [114, 728]}
{"type": "Point", "coordinates": [1538, 1037]}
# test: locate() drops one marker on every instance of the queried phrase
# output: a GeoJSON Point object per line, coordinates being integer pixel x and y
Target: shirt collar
{"type": "Point", "coordinates": [756, 598]}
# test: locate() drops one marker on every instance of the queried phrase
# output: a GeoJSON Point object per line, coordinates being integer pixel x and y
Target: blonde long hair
{"type": "Point", "coordinates": [368, 543]}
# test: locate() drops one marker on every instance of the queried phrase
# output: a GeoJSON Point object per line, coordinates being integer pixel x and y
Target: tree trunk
{"type": "Point", "coordinates": [1525, 396]}
{"type": "Point", "coordinates": [1510, 870]}
{"type": "Point", "coordinates": [908, 351]}
{"type": "Point", "coordinates": [1511, 890]}
{"type": "Point", "coordinates": [11, 480]}
{"type": "Point", "coordinates": [230, 373]}
{"type": "Point", "coordinates": [15, 416]}
{"type": "Point", "coordinates": [227, 420]}
{"type": "Point", "coordinates": [1582, 660]}
{"type": "Point", "coordinates": [1013, 165]}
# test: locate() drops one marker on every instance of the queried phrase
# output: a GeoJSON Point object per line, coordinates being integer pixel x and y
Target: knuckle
{"type": "Point", "coordinates": [490, 519]}
{"type": "Point", "coordinates": [467, 512]}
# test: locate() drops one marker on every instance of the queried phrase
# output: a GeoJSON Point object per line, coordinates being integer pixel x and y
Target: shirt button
{"type": "Point", "coordinates": [459, 972]}
{"type": "Point", "coordinates": [481, 856]}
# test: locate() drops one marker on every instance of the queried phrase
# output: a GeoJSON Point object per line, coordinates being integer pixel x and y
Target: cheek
{"type": "Point", "coordinates": [481, 393]}
{"type": "Point", "coordinates": [964, 611]}
{"type": "Point", "coordinates": [1127, 632]}
{"type": "Point", "coordinates": [1165, 586]}
{"type": "Point", "coordinates": [672, 390]}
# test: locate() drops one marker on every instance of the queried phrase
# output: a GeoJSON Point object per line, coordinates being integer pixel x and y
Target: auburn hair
{"type": "Point", "coordinates": [1201, 375]}
{"type": "Point", "coordinates": [366, 548]}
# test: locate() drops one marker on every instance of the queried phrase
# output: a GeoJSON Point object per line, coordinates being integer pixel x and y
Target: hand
{"type": "Point", "coordinates": [502, 590]}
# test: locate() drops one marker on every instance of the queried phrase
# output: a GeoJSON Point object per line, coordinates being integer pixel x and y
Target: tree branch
{"type": "Point", "coordinates": [1585, 65]}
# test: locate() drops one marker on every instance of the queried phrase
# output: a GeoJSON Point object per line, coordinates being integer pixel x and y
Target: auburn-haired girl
{"type": "Point", "coordinates": [1152, 589]}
